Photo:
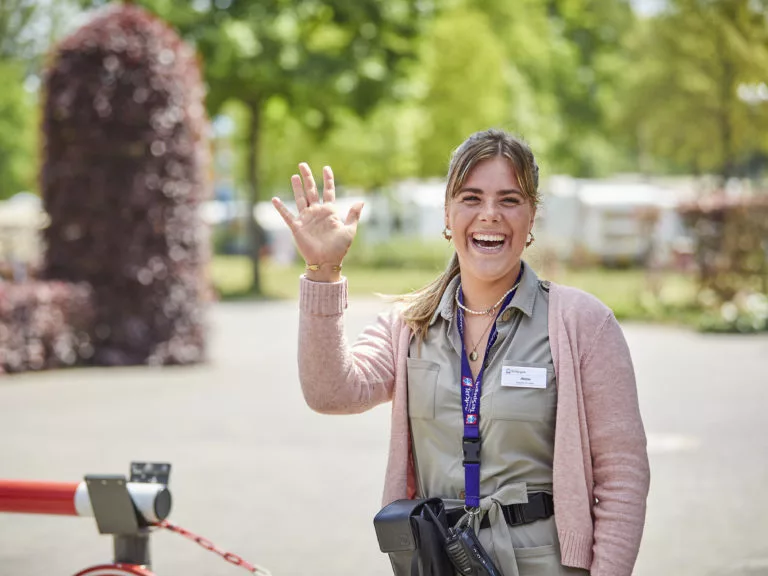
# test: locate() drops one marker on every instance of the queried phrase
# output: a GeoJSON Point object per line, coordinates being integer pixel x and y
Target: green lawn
{"type": "Point", "coordinates": [627, 292]}
{"type": "Point", "coordinates": [231, 277]}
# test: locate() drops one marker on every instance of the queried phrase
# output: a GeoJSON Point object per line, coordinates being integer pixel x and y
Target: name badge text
{"type": "Point", "coordinates": [523, 377]}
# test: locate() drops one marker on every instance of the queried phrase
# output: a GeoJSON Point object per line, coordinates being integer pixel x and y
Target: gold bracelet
{"type": "Point", "coordinates": [316, 267]}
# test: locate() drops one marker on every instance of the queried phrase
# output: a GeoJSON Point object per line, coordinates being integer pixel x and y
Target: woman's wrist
{"type": "Point", "coordinates": [323, 272]}
{"type": "Point", "coordinates": [323, 276]}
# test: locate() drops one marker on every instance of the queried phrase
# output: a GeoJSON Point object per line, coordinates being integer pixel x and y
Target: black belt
{"type": "Point", "coordinates": [540, 505]}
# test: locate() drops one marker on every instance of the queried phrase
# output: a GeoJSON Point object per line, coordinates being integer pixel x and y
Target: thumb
{"type": "Point", "coordinates": [353, 217]}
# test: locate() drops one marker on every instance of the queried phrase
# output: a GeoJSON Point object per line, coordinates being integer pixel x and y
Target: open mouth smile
{"type": "Point", "coordinates": [488, 242]}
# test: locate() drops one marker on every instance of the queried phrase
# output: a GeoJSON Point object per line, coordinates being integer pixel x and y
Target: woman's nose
{"type": "Point", "coordinates": [489, 211]}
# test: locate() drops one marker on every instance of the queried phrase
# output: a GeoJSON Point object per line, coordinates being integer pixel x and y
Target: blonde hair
{"type": "Point", "coordinates": [419, 306]}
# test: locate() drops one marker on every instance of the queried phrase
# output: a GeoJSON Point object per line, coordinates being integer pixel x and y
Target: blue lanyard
{"type": "Point", "coordinates": [470, 407]}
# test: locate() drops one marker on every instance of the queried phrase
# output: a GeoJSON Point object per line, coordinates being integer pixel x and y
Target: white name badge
{"type": "Point", "coordinates": [523, 377]}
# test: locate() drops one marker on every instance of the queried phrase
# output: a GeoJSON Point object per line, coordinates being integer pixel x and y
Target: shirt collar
{"type": "Point", "coordinates": [446, 307]}
{"type": "Point", "coordinates": [525, 295]}
{"type": "Point", "coordinates": [523, 300]}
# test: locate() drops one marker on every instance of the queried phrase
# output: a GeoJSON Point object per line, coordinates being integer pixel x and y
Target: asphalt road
{"type": "Point", "coordinates": [259, 474]}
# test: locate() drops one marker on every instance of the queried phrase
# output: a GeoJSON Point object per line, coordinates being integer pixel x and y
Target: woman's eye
{"type": "Point", "coordinates": [470, 199]}
{"type": "Point", "coordinates": [511, 201]}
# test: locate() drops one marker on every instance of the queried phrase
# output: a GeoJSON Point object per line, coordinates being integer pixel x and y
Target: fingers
{"type": "Point", "coordinates": [285, 213]}
{"type": "Point", "coordinates": [310, 188]}
{"type": "Point", "coordinates": [298, 193]}
{"type": "Point", "coordinates": [353, 217]}
{"type": "Point", "coordinates": [305, 190]}
{"type": "Point", "coordinates": [329, 188]}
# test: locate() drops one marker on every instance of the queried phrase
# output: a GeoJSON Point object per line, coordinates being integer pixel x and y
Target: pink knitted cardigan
{"type": "Point", "coordinates": [600, 472]}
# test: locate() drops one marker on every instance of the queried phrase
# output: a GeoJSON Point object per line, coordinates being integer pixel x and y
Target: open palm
{"type": "Point", "coordinates": [321, 236]}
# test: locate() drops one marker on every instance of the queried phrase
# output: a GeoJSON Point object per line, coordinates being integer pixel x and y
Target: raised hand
{"type": "Point", "coordinates": [321, 236]}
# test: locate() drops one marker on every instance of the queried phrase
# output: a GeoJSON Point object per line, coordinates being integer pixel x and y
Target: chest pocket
{"type": "Point", "coordinates": [527, 404]}
{"type": "Point", "coordinates": [422, 385]}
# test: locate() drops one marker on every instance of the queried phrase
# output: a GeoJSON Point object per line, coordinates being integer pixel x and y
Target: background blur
{"type": "Point", "coordinates": [649, 121]}
{"type": "Point", "coordinates": [635, 110]}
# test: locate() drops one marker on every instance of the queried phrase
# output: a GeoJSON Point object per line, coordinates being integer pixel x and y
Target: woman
{"type": "Point", "coordinates": [487, 355]}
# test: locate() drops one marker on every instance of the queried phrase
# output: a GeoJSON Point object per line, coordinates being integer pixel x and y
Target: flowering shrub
{"type": "Point", "coordinates": [732, 261]}
{"type": "Point", "coordinates": [125, 169]}
{"type": "Point", "coordinates": [44, 325]}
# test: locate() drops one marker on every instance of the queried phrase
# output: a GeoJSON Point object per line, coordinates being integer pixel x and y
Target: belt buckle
{"type": "Point", "coordinates": [515, 514]}
{"type": "Point", "coordinates": [471, 450]}
{"type": "Point", "coordinates": [521, 513]}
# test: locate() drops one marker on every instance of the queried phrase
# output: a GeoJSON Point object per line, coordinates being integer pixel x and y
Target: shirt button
{"type": "Point", "coordinates": [506, 315]}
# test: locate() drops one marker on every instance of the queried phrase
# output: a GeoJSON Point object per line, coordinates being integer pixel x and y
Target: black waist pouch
{"type": "Point", "coordinates": [407, 532]}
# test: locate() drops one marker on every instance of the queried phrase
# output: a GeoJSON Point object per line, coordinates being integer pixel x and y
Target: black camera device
{"type": "Point", "coordinates": [416, 536]}
{"type": "Point", "coordinates": [407, 532]}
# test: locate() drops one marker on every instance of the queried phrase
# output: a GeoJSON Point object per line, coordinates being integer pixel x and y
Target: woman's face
{"type": "Point", "coordinates": [490, 219]}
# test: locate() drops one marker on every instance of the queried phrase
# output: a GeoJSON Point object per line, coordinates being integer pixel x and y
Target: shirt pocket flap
{"type": "Point", "coordinates": [422, 384]}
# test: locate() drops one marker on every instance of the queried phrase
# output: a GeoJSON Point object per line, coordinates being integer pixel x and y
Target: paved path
{"type": "Point", "coordinates": [260, 474]}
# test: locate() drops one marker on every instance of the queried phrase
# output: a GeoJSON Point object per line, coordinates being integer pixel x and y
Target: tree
{"type": "Point", "coordinates": [26, 29]}
{"type": "Point", "coordinates": [683, 102]}
{"type": "Point", "coordinates": [29, 27]}
{"type": "Point", "coordinates": [586, 77]}
{"type": "Point", "coordinates": [16, 16]}
{"type": "Point", "coordinates": [465, 85]}
{"type": "Point", "coordinates": [317, 57]}
{"type": "Point", "coordinates": [17, 164]}
{"type": "Point", "coordinates": [554, 64]}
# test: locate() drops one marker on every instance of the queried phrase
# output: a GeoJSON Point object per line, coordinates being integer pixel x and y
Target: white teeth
{"type": "Point", "coordinates": [489, 237]}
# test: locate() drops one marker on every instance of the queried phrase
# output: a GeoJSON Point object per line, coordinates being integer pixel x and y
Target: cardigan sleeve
{"type": "Point", "coordinates": [618, 446]}
{"type": "Point", "coordinates": [337, 378]}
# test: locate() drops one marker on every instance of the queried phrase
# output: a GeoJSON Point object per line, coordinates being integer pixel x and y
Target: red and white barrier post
{"type": "Point", "coordinates": [153, 501]}
{"type": "Point", "coordinates": [124, 508]}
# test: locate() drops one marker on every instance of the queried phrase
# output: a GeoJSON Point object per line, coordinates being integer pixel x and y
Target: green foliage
{"type": "Point", "coordinates": [587, 78]}
{"type": "Point", "coordinates": [231, 278]}
{"type": "Point", "coordinates": [593, 88]}
{"type": "Point", "coordinates": [15, 19]}
{"type": "Point", "coordinates": [547, 71]}
{"type": "Point", "coordinates": [626, 292]}
{"type": "Point", "coordinates": [365, 153]}
{"type": "Point", "coordinates": [315, 57]}
{"type": "Point", "coordinates": [27, 27]}
{"type": "Point", "coordinates": [745, 314]}
{"type": "Point", "coordinates": [682, 97]}
{"type": "Point", "coordinates": [401, 253]}
{"type": "Point", "coordinates": [17, 133]}
{"type": "Point", "coordinates": [465, 93]}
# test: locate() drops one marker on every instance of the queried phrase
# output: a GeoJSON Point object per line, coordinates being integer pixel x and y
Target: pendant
{"type": "Point", "coordinates": [473, 355]}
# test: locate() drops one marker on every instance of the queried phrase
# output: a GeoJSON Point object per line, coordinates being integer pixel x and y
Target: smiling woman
{"type": "Point", "coordinates": [514, 407]}
{"type": "Point", "coordinates": [490, 219]}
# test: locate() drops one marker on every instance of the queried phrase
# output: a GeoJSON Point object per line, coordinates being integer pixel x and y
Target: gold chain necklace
{"type": "Point", "coordinates": [488, 311]}
{"type": "Point", "coordinates": [473, 354]}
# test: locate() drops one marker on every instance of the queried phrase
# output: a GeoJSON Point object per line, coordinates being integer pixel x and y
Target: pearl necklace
{"type": "Point", "coordinates": [488, 311]}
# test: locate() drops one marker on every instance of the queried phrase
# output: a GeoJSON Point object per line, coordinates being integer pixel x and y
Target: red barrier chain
{"type": "Point", "coordinates": [208, 545]}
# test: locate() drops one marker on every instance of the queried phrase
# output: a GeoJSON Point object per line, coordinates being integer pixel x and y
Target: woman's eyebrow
{"type": "Point", "coordinates": [503, 192]}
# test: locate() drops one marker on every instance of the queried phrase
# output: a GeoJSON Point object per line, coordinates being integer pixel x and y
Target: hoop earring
{"type": "Point", "coordinates": [447, 234]}
{"type": "Point", "coordinates": [531, 240]}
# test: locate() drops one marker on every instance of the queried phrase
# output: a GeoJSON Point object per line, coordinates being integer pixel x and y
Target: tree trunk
{"type": "Point", "coordinates": [255, 232]}
{"type": "Point", "coordinates": [725, 120]}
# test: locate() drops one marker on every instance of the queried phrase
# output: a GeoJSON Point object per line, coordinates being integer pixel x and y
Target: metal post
{"type": "Point", "coordinates": [133, 548]}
